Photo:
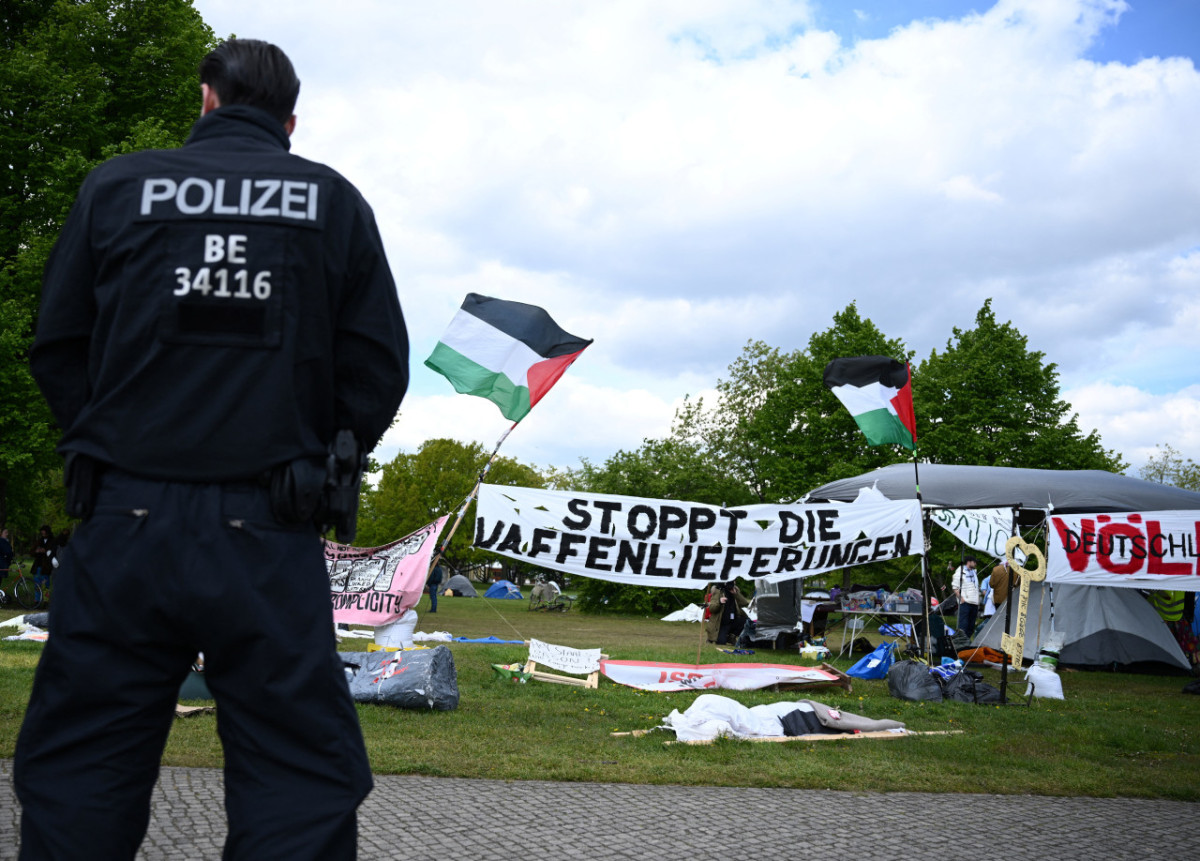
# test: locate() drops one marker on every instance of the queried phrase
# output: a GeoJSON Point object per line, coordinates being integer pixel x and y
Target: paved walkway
{"type": "Point", "coordinates": [426, 817]}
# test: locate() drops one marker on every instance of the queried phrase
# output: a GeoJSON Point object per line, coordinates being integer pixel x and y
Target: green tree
{"type": "Point", "coordinates": [989, 400]}
{"type": "Point", "coordinates": [810, 436]}
{"type": "Point", "coordinates": [776, 428]}
{"type": "Point", "coordinates": [416, 489]}
{"type": "Point", "coordinates": [732, 434]}
{"type": "Point", "coordinates": [672, 468]}
{"type": "Point", "coordinates": [79, 82]}
{"type": "Point", "coordinates": [1167, 466]}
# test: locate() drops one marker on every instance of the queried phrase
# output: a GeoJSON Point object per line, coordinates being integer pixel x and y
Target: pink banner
{"type": "Point", "coordinates": [655, 676]}
{"type": "Point", "coordinates": [377, 585]}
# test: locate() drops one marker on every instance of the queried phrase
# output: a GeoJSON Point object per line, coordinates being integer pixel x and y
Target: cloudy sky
{"type": "Point", "coordinates": [674, 178]}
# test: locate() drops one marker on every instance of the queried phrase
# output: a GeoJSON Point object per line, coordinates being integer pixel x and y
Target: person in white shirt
{"type": "Point", "coordinates": [966, 589]}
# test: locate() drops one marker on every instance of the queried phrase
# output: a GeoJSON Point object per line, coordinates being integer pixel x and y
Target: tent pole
{"type": "Point", "coordinates": [1007, 614]}
{"type": "Point", "coordinates": [926, 578]}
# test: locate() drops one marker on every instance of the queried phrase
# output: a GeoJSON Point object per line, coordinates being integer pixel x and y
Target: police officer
{"type": "Point", "coordinates": [212, 317]}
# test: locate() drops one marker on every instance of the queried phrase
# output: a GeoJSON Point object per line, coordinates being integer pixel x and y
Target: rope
{"type": "Point", "coordinates": [488, 601]}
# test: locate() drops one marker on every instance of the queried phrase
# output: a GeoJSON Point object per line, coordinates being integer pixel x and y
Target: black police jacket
{"type": "Point", "coordinates": [212, 311]}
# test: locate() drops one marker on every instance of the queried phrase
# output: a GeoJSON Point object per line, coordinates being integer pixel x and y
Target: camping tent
{"type": "Point", "coordinates": [1103, 626]}
{"type": "Point", "coordinates": [778, 607]}
{"type": "Point", "coordinates": [460, 585]}
{"type": "Point", "coordinates": [1063, 491]}
{"type": "Point", "coordinates": [504, 589]}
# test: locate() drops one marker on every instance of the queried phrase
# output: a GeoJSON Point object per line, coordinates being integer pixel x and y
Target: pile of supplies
{"type": "Point", "coordinates": [906, 601]}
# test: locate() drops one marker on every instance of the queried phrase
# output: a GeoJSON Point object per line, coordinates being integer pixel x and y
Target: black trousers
{"type": "Point", "coordinates": [160, 572]}
{"type": "Point", "coordinates": [731, 626]}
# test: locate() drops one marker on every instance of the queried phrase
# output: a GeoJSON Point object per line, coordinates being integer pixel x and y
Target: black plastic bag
{"type": "Point", "coordinates": [911, 680]}
{"type": "Point", "coordinates": [969, 687]}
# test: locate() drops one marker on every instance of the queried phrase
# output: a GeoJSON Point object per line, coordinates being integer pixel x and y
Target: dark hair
{"type": "Point", "coordinates": [967, 559]}
{"type": "Point", "coordinates": [252, 72]}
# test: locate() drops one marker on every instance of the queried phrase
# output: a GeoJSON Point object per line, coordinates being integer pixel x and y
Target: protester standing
{"type": "Point", "coordinates": [6, 553]}
{"type": "Point", "coordinates": [436, 576]}
{"type": "Point", "coordinates": [42, 551]}
{"type": "Point", "coordinates": [965, 583]}
{"type": "Point", "coordinates": [1003, 581]}
{"type": "Point", "coordinates": [987, 606]}
{"type": "Point", "coordinates": [725, 613]}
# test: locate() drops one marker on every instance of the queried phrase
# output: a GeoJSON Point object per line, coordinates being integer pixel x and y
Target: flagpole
{"type": "Point", "coordinates": [462, 511]}
{"type": "Point", "coordinates": [845, 375]}
{"type": "Point", "coordinates": [926, 577]}
{"type": "Point", "coordinates": [926, 580]}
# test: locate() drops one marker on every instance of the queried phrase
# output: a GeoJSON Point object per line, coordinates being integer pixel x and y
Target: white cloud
{"type": "Point", "coordinates": [676, 178]}
{"type": "Point", "coordinates": [576, 416]}
{"type": "Point", "coordinates": [1136, 421]}
{"type": "Point", "coordinates": [963, 188]}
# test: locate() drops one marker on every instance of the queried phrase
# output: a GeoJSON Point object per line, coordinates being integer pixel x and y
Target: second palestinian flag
{"type": "Point", "coordinates": [878, 393]}
{"type": "Point", "coordinates": [508, 352]}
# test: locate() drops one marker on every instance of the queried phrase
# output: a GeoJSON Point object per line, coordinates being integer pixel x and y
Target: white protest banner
{"type": "Point", "coordinates": [377, 585]}
{"type": "Point", "coordinates": [655, 676]}
{"type": "Point", "coordinates": [984, 529]}
{"type": "Point", "coordinates": [563, 658]}
{"type": "Point", "coordinates": [1144, 550]}
{"type": "Point", "coordinates": [652, 542]}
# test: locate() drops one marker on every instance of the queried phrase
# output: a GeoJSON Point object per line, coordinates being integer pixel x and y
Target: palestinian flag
{"type": "Point", "coordinates": [508, 352]}
{"type": "Point", "coordinates": [878, 392]}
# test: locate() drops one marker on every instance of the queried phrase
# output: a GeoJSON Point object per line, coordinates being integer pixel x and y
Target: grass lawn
{"type": "Point", "coordinates": [1114, 735]}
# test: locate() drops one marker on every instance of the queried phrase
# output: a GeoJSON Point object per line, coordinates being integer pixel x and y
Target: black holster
{"type": "Point", "coordinates": [344, 468]}
{"type": "Point", "coordinates": [81, 475]}
{"type": "Point", "coordinates": [321, 492]}
{"type": "Point", "coordinates": [298, 492]}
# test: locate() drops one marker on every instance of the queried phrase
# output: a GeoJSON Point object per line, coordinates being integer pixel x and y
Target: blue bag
{"type": "Point", "coordinates": [876, 664]}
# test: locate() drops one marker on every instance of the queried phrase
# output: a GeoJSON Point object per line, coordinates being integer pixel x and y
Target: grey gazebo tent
{"type": "Point", "coordinates": [1102, 625]}
{"type": "Point", "coordinates": [1064, 491]}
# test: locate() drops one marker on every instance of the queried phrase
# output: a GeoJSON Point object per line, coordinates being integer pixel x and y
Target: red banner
{"type": "Point", "coordinates": [1142, 550]}
{"type": "Point", "coordinates": [654, 676]}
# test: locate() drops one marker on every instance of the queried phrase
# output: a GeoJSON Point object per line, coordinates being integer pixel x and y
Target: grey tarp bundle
{"type": "Point", "coordinates": [1063, 491]}
{"type": "Point", "coordinates": [1102, 625]}
{"type": "Point", "coordinates": [418, 679]}
{"type": "Point", "coordinates": [843, 721]}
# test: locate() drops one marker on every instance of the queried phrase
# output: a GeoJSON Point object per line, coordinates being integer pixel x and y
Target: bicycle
{"type": "Point", "coordinates": [550, 599]}
{"type": "Point", "coordinates": [25, 589]}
